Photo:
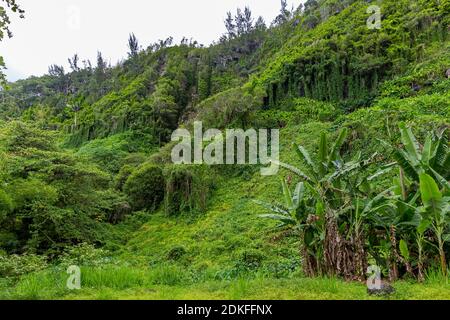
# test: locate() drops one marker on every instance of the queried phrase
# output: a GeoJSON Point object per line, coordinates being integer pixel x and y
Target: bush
{"type": "Point", "coordinates": [122, 176]}
{"type": "Point", "coordinates": [145, 187]}
{"type": "Point", "coordinates": [31, 191]}
{"type": "Point", "coordinates": [84, 255]}
{"type": "Point", "coordinates": [187, 190]}
{"type": "Point", "coordinates": [19, 136]}
{"type": "Point", "coordinates": [176, 253]}
{"type": "Point", "coordinates": [250, 259]}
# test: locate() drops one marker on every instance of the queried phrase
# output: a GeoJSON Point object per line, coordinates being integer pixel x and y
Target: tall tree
{"type": "Point", "coordinates": [56, 71]}
{"type": "Point", "coordinates": [284, 15]}
{"type": "Point", "coordinates": [60, 83]}
{"type": "Point", "coordinates": [100, 73]}
{"type": "Point", "coordinates": [240, 22]}
{"type": "Point", "coordinates": [101, 63]}
{"type": "Point", "coordinates": [248, 20]}
{"type": "Point", "coordinates": [231, 27]}
{"type": "Point", "coordinates": [260, 24]}
{"type": "Point", "coordinates": [14, 7]}
{"type": "Point", "coordinates": [311, 5]}
{"type": "Point", "coordinates": [73, 63]}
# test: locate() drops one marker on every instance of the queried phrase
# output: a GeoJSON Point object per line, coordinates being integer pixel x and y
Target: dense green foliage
{"type": "Point", "coordinates": [86, 176]}
{"type": "Point", "coordinates": [342, 221]}
{"type": "Point", "coordinates": [145, 187]}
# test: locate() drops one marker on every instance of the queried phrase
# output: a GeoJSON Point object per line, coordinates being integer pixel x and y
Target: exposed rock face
{"type": "Point", "coordinates": [385, 290]}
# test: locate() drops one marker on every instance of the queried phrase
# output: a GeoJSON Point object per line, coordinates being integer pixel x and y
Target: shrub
{"type": "Point", "coordinates": [122, 176]}
{"type": "Point", "coordinates": [145, 187]}
{"type": "Point", "coordinates": [176, 253]}
{"type": "Point", "coordinates": [31, 191]}
{"type": "Point", "coordinates": [234, 106]}
{"type": "Point", "coordinates": [84, 255]}
{"type": "Point", "coordinates": [18, 265]}
{"type": "Point", "coordinates": [187, 190]}
{"type": "Point", "coordinates": [250, 259]}
{"type": "Point", "coordinates": [19, 136]}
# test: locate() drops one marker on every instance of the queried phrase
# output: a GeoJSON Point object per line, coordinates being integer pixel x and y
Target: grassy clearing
{"type": "Point", "coordinates": [120, 283]}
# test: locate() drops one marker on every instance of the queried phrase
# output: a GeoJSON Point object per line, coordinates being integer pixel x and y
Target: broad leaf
{"type": "Point", "coordinates": [423, 226]}
{"type": "Point", "coordinates": [410, 143]}
{"type": "Point", "coordinates": [429, 190]}
{"type": "Point", "coordinates": [334, 154]}
{"type": "Point", "coordinates": [323, 153]}
{"type": "Point", "coordinates": [404, 250]}
{"type": "Point", "coordinates": [293, 169]}
{"type": "Point", "coordinates": [298, 194]}
{"type": "Point", "coordinates": [287, 194]}
{"type": "Point", "coordinates": [403, 161]}
{"type": "Point", "coordinates": [303, 154]}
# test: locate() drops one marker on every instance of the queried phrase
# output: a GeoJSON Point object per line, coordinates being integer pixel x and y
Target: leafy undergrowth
{"type": "Point", "coordinates": [229, 252]}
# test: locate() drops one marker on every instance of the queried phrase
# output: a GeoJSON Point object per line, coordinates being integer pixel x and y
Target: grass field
{"type": "Point", "coordinates": [121, 283]}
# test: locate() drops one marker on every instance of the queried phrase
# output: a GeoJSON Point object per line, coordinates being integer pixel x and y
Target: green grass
{"type": "Point", "coordinates": [154, 284]}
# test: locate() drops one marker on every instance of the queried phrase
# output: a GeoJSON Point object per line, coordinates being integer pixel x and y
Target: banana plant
{"type": "Point", "coordinates": [289, 214]}
{"type": "Point", "coordinates": [330, 174]}
{"type": "Point", "coordinates": [297, 214]}
{"type": "Point", "coordinates": [436, 208]}
{"type": "Point", "coordinates": [334, 185]}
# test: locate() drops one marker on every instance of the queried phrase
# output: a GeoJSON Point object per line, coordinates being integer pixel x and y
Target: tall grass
{"type": "Point", "coordinates": [51, 283]}
{"type": "Point", "coordinates": [436, 277]}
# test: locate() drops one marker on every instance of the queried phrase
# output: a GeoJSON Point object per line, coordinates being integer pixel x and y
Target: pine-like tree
{"type": "Point", "coordinates": [230, 26]}
{"type": "Point", "coordinates": [248, 20]}
{"type": "Point", "coordinates": [285, 14]}
{"type": "Point", "coordinates": [240, 22]}
{"type": "Point", "coordinates": [73, 63]}
{"type": "Point", "coordinates": [133, 45]}
{"type": "Point", "coordinates": [260, 24]}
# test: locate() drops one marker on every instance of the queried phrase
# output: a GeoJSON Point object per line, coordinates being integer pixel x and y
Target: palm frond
{"type": "Point", "coordinates": [304, 155]}
{"type": "Point", "coordinates": [286, 220]}
{"type": "Point", "coordinates": [442, 181]}
{"type": "Point", "coordinates": [334, 154]}
{"type": "Point", "coordinates": [385, 169]}
{"type": "Point", "coordinates": [298, 194]}
{"type": "Point", "coordinates": [293, 169]}
{"type": "Point", "coordinates": [323, 153]}
{"type": "Point", "coordinates": [402, 159]}
{"type": "Point", "coordinates": [441, 151]}
{"type": "Point", "coordinates": [410, 143]}
{"type": "Point", "coordinates": [271, 207]}
{"type": "Point", "coordinates": [287, 194]}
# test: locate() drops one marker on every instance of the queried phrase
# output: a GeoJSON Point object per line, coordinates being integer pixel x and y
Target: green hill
{"type": "Point", "coordinates": [87, 178]}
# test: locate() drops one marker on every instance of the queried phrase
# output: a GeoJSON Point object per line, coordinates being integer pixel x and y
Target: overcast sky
{"type": "Point", "coordinates": [54, 30]}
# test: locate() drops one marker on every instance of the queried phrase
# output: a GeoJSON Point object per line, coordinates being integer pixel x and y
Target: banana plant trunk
{"type": "Point", "coordinates": [442, 257]}
{"type": "Point", "coordinates": [339, 253]}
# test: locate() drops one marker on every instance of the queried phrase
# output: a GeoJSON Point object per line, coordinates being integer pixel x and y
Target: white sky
{"type": "Point", "coordinates": [53, 30]}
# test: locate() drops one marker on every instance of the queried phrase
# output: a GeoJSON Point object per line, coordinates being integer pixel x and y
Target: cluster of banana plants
{"type": "Point", "coordinates": [345, 222]}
